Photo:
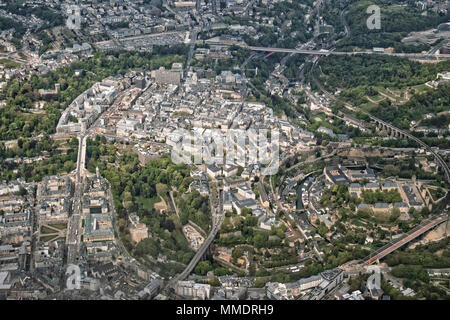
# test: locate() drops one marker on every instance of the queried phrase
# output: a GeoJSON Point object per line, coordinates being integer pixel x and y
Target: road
{"type": "Point", "coordinates": [193, 37]}
{"type": "Point", "coordinates": [173, 203]}
{"type": "Point", "coordinates": [74, 228]}
{"type": "Point", "coordinates": [276, 196]}
{"type": "Point", "coordinates": [10, 56]}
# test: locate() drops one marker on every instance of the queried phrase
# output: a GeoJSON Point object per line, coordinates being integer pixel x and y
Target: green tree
{"type": "Point", "coordinates": [203, 267]}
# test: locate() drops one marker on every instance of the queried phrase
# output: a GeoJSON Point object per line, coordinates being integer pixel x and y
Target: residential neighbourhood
{"type": "Point", "coordinates": [224, 150]}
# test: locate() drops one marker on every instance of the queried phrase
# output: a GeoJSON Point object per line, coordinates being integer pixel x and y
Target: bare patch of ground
{"type": "Point", "coordinates": [437, 234]}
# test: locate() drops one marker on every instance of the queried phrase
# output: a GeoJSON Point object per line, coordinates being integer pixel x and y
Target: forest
{"type": "Point", "coordinates": [342, 72]}
{"type": "Point", "coordinates": [411, 265]}
{"type": "Point", "coordinates": [8, 23]}
{"type": "Point", "coordinates": [56, 161]}
{"type": "Point", "coordinates": [51, 17]}
{"type": "Point", "coordinates": [195, 207]}
{"type": "Point", "coordinates": [430, 101]}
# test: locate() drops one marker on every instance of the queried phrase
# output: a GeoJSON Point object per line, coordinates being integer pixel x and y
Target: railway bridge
{"type": "Point", "coordinates": [392, 130]}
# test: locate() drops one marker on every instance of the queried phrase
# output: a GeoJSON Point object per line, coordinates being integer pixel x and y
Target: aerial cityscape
{"type": "Point", "coordinates": [224, 150]}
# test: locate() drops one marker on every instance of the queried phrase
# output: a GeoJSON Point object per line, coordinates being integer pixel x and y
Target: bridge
{"type": "Point", "coordinates": [404, 134]}
{"type": "Point", "coordinates": [200, 252]}
{"type": "Point", "coordinates": [196, 259]}
{"type": "Point", "coordinates": [410, 235]}
{"type": "Point", "coordinates": [323, 52]}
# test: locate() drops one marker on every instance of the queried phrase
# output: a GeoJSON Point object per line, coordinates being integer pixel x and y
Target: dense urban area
{"type": "Point", "coordinates": [101, 198]}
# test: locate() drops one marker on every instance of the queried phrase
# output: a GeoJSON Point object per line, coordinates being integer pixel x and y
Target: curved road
{"type": "Point", "coordinates": [438, 158]}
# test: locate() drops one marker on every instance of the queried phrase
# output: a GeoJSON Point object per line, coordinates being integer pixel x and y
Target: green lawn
{"type": "Point", "coordinates": [46, 230]}
{"type": "Point", "coordinates": [47, 238]}
{"type": "Point", "coordinates": [8, 64]}
{"type": "Point", "coordinates": [59, 226]}
{"type": "Point", "coordinates": [420, 88]}
{"type": "Point", "coordinates": [437, 193]}
{"type": "Point", "coordinates": [357, 222]}
{"type": "Point", "coordinates": [148, 203]}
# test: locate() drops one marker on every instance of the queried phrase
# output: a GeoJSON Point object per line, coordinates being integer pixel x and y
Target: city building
{"type": "Point", "coordinates": [190, 289]}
